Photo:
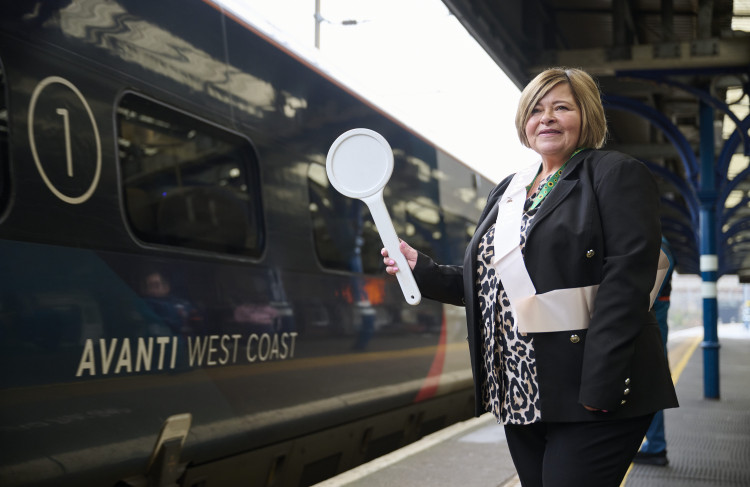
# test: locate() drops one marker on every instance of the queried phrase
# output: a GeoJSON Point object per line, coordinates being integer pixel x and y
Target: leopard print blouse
{"type": "Point", "coordinates": [510, 390]}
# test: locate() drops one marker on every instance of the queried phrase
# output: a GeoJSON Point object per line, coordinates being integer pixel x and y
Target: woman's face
{"type": "Point", "coordinates": [554, 127]}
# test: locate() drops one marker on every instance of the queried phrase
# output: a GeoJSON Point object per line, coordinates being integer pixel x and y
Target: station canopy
{"type": "Point", "coordinates": [675, 79]}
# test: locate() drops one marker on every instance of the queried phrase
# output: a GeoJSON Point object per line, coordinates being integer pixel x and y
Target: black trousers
{"type": "Point", "coordinates": [586, 454]}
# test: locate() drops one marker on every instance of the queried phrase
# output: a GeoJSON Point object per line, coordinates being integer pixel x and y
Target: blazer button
{"type": "Point", "coordinates": [627, 381]}
{"type": "Point", "coordinates": [626, 392]}
{"type": "Point", "coordinates": [623, 402]}
{"type": "Point", "coordinates": [575, 339]}
{"type": "Point", "coordinates": [590, 254]}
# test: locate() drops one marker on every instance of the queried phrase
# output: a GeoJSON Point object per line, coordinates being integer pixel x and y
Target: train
{"type": "Point", "coordinates": [185, 300]}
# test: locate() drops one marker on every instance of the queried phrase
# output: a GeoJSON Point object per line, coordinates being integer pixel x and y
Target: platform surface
{"type": "Point", "coordinates": [708, 441]}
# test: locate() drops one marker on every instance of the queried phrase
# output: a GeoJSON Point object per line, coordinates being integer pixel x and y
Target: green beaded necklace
{"type": "Point", "coordinates": [552, 181]}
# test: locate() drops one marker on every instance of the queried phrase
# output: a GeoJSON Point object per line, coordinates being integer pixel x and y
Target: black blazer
{"type": "Point", "coordinates": [600, 225]}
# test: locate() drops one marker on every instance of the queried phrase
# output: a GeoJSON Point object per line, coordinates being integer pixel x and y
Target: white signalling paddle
{"type": "Point", "coordinates": [359, 165]}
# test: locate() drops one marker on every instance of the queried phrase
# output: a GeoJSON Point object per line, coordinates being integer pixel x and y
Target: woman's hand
{"type": "Point", "coordinates": [409, 253]}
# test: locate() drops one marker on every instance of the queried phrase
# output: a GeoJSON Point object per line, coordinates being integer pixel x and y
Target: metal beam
{"type": "Point", "coordinates": [709, 257]}
{"type": "Point", "coordinates": [667, 20]}
{"type": "Point", "coordinates": [671, 132]}
{"type": "Point", "coordinates": [727, 53]}
{"type": "Point", "coordinates": [645, 150]}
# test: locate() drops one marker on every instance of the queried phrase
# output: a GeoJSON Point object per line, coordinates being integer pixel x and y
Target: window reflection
{"type": "Point", "coordinates": [432, 199]}
{"type": "Point", "coordinates": [187, 183]}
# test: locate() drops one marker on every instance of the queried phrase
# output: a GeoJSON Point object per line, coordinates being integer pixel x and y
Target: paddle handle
{"type": "Point", "coordinates": [390, 241]}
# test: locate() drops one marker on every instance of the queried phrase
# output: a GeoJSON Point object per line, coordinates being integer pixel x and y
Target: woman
{"type": "Point", "coordinates": [557, 284]}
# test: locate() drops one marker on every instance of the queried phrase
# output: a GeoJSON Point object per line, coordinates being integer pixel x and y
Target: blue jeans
{"type": "Point", "coordinates": [655, 439]}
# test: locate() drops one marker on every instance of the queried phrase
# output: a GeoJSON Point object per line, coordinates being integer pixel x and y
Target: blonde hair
{"type": "Point", "coordinates": [587, 96]}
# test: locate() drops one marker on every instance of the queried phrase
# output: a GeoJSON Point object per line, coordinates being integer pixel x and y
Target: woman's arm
{"type": "Point", "coordinates": [442, 283]}
{"type": "Point", "coordinates": [628, 202]}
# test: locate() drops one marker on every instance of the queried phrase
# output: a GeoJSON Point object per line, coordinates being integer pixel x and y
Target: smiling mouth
{"type": "Point", "coordinates": [549, 132]}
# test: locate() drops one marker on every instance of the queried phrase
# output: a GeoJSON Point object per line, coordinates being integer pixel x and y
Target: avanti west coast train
{"type": "Point", "coordinates": [184, 298]}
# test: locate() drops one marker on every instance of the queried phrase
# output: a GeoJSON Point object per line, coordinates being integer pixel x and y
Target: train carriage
{"type": "Point", "coordinates": [184, 297]}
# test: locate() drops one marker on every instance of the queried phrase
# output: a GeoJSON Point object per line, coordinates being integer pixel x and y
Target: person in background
{"type": "Point", "coordinates": [557, 283]}
{"type": "Point", "coordinates": [177, 314]}
{"type": "Point", "coordinates": [654, 450]}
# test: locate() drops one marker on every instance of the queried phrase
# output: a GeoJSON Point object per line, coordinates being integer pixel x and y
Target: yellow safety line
{"type": "Point", "coordinates": [678, 368]}
{"type": "Point", "coordinates": [684, 359]}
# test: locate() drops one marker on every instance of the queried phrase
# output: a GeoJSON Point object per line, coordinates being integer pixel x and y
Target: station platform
{"type": "Point", "coordinates": [708, 441]}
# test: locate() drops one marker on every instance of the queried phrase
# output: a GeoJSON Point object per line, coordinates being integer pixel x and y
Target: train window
{"type": "Point", "coordinates": [187, 183]}
{"type": "Point", "coordinates": [432, 200]}
{"type": "Point", "coordinates": [4, 148]}
{"type": "Point", "coordinates": [345, 235]}
{"type": "Point", "coordinates": [441, 202]}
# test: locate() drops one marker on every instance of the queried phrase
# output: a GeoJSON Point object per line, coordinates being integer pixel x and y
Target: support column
{"type": "Point", "coordinates": [709, 260]}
